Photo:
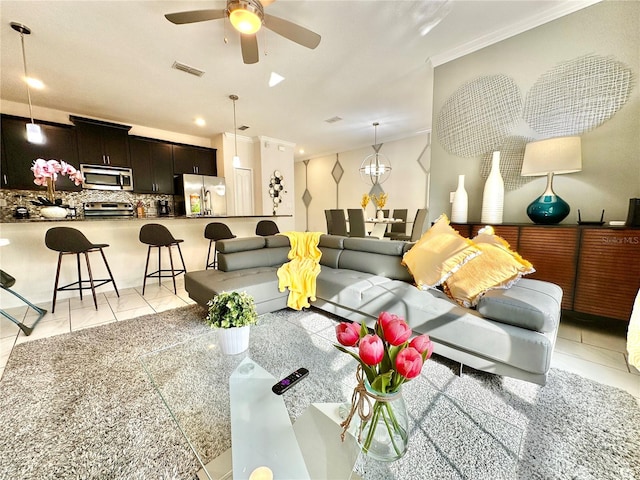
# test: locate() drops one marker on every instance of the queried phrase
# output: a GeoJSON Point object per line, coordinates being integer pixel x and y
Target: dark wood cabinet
{"type": "Point", "coordinates": [197, 160]}
{"type": "Point", "coordinates": [608, 272]}
{"type": "Point", "coordinates": [597, 267]}
{"type": "Point", "coordinates": [102, 143]}
{"type": "Point", "coordinates": [18, 154]}
{"type": "Point", "coordinates": [152, 165]}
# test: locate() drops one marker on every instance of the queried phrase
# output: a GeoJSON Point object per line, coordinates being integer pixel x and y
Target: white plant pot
{"type": "Point", "coordinates": [233, 340]}
{"type": "Point", "coordinates": [53, 212]}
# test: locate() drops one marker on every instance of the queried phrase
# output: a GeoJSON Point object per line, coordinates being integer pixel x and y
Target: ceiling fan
{"type": "Point", "coordinates": [247, 16]}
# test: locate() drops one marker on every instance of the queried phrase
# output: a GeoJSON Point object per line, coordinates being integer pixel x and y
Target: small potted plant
{"type": "Point", "coordinates": [232, 313]}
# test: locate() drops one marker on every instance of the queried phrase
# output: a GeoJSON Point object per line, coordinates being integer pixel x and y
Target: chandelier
{"type": "Point", "coordinates": [375, 168]}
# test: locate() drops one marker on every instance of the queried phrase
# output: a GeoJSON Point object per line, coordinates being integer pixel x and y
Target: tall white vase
{"type": "Point", "coordinates": [493, 196]}
{"type": "Point", "coordinates": [460, 207]}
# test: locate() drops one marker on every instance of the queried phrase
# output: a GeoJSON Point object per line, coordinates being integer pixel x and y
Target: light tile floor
{"type": "Point", "coordinates": [583, 348]}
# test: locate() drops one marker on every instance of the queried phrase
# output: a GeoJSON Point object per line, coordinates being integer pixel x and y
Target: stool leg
{"type": "Point", "coordinates": [173, 273]}
{"type": "Point", "coordinates": [110, 274]}
{"type": "Point", "coordinates": [184, 268]}
{"type": "Point", "coordinates": [159, 266]}
{"type": "Point", "coordinates": [79, 274]}
{"type": "Point", "coordinates": [208, 255]}
{"type": "Point", "coordinates": [93, 290]}
{"type": "Point", "coordinates": [146, 269]}
{"type": "Point", "coordinates": [55, 286]}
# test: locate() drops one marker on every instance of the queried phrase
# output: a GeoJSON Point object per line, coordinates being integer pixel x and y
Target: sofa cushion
{"type": "Point", "coordinates": [497, 267]}
{"type": "Point", "coordinates": [439, 252]}
{"type": "Point", "coordinates": [240, 244]}
{"type": "Point", "coordinates": [259, 282]}
{"type": "Point", "coordinates": [530, 304]}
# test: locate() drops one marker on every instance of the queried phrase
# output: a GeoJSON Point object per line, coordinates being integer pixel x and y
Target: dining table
{"type": "Point", "coordinates": [380, 225]}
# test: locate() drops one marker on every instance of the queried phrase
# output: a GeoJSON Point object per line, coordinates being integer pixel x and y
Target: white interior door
{"type": "Point", "coordinates": [243, 183]}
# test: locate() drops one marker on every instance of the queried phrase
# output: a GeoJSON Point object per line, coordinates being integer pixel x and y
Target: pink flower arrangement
{"type": "Point", "coordinates": [43, 170]}
{"type": "Point", "coordinates": [46, 172]}
{"type": "Point", "coordinates": [388, 357]}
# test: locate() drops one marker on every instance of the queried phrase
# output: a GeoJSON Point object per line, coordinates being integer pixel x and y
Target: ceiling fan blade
{"type": "Point", "coordinates": [194, 16]}
{"type": "Point", "coordinates": [249, 45]}
{"type": "Point", "coordinates": [292, 31]}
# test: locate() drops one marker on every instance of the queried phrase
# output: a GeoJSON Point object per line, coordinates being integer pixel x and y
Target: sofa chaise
{"type": "Point", "coordinates": [511, 332]}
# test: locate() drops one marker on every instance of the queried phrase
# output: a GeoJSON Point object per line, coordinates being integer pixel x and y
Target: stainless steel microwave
{"type": "Point", "coordinates": [106, 177]}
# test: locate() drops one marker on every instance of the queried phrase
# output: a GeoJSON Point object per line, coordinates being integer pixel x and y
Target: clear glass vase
{"type": "Point", "coordinates": [385, 436]}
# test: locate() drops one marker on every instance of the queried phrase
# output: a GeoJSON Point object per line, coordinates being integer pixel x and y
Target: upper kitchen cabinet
{"type": "Point", "coordinates": [152, 165]}
{"type": "Point", "coordinates": [190, 159]}
{"type": "Point", "coordinates": [18, 155]}
{"type": "Point", "coordinates": [102, 143]}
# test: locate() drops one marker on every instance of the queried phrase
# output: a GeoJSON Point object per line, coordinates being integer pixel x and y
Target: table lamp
{"type": "Point", "coordinates": [548, 157]}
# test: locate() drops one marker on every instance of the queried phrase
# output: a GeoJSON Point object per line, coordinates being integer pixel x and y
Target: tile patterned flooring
{"type": "Point", "coordinates": [583, 348]}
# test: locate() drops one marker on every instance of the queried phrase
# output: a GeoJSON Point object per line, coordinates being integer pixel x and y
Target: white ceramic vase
{"type": "Point", "coordinates": [460, 207]}
{"type": "Point", "coordinates": [380, 215]}
{"type": "Point", "coordinates": [233, 340]}
{"type": "Point", "coordinates": [53, 212]}
{"type": "Point", "coordinates": [493, 196]}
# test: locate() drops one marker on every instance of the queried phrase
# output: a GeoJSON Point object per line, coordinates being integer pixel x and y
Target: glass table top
{"type": "Point", "coordinates": [192, 378]}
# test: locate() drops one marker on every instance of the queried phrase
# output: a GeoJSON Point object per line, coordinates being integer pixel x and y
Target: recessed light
{"type": "Point", "coordinates": [200, 122]}
{"type": "Point", "coordinates": [34, 83]}
{"type": "Point", "coordinates": [301, 151]}
{"type": "Point", "coordinates": [275, 79]}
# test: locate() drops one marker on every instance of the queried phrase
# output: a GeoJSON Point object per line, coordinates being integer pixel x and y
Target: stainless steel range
{"type": "Point", "coordinates": [108, 210]}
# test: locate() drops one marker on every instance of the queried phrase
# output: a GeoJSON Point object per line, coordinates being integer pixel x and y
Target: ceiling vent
{"type": "Point", "coordinates": [186, 68]}
{"type": "Point", "coordinates": [243, 127]}
{"type": "Point", "coordinates": [333, 119]}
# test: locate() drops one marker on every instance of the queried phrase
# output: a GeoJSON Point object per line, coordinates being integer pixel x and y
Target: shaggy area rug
{"type": "Point", "coordinates": [83, 405]}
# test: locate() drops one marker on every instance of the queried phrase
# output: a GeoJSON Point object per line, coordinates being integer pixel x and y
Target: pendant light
{"type": "Point", "coordinates": [236, 158]}
{"type": "Point", "coordinates": [34, 132]}
{"type": "Point", "coordinates": [375, 168]}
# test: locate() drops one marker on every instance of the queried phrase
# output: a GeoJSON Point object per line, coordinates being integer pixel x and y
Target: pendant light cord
{"type": "Point", "coordinates": [26, 76]}
{"type": "Point", "coordinates": [235, 128]}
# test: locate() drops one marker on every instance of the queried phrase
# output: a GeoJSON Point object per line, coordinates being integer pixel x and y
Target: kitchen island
{"type": "Point", "coordinates": [33, 265]}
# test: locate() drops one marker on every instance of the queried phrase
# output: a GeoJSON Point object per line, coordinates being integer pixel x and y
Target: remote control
{"type": "Point", "coordinates": [288, 382]}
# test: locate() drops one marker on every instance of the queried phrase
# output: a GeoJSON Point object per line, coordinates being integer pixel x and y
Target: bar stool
{"type": "Point", "coordinates": [158, 236]}
{"type": "Point", "coordinates": [69, 241]}
{"type": "Point", "coordinates": [215, 231]}
{"type": "Point", "coordinates": [265, 228]}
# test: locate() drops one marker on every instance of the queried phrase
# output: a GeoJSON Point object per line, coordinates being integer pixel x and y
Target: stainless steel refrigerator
{"type": "Point", "coordinates": [200, 195]}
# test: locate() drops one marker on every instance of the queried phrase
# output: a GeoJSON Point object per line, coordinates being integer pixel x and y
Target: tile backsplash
{"type": "Point", "coordinates": [10, 199]}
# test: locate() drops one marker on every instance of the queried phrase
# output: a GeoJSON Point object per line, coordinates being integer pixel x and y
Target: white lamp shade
{"type": "Point", "coordinates": [557, 155]}
{"type": "Point", "coordinates": [34, 133]}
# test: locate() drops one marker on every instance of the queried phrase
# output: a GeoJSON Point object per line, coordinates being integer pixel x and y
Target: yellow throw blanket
{"type": "Point", "coordinates": [301, 272]}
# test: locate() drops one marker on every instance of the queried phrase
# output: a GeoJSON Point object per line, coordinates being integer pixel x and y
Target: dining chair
{"type": "Point", "coordinates": [417, 230]}
{"type": "Point", "coordinates": [400, 227]}
{"type": "Point", "coordinates": [327, 216]}
{"type": "Point", "coordinates": [339, 222]}
{"type": "Point", "coordinates": [356, 222]}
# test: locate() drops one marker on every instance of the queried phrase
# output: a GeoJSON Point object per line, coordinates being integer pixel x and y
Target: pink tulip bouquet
{"type": "Point", "coordinates": [388, 357]}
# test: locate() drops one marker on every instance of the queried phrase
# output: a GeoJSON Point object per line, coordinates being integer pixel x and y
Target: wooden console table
{"type": "Point", "coordinates": [598, 267]}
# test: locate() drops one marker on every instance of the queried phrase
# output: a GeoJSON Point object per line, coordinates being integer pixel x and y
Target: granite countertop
{"type": "Point", "coordinates": [82, 218]}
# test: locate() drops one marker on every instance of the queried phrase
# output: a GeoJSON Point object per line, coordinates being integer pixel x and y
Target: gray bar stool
{"type": "Point", "coordinates": [215, 231]}
{"type": "Point", "coordinates": [158, 236]}
{"type": "Point", "coordinates": [69, 241]}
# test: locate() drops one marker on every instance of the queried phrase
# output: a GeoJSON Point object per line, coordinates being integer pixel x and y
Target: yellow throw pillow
{"type": "Point", "coordinates": [440, 252]}
{"type": "Point", "coordinates": [497, 267]}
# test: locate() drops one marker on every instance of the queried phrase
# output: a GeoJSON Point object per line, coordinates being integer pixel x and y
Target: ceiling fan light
{"type": "Point", "coordinates": [245, 21]}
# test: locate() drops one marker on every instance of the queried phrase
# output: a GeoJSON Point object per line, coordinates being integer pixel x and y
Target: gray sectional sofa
{"type": "Point", "coordinates": [511, 332]}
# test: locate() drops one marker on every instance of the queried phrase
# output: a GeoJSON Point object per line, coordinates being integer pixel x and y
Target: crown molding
{"type": "Point", "coordinates": [512, 30]}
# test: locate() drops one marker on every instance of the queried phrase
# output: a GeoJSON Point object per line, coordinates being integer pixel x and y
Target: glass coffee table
{"type": "Point", "coordinates": [198, 384]}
